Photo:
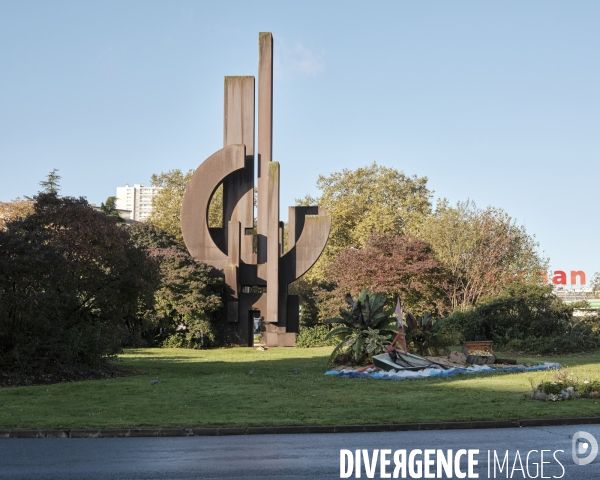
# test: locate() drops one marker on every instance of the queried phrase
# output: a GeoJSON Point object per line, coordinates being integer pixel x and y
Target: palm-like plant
{"type": "Point", "coordinates": [366, 329]}
{"type": "Point", "coordinates": [424, 335]}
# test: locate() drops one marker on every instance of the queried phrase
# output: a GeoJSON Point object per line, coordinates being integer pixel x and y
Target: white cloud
{"type": "Point", "coordinates": [295, 60]}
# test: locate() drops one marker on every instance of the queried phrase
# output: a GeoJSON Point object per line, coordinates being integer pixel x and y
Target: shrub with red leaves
{"type": "Point", "coordinates": [399, 265]}
{"type": "Point", "coordinates": [72, 286]}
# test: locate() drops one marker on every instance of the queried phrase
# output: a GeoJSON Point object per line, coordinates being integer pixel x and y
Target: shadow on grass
{"type": "Point", "coordinates": [213, 388]}
{"type": "Point", "coordinates": [250, 368]}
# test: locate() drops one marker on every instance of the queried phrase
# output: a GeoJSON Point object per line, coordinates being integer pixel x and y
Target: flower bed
{"type": "Point", "coordinates": [565, 386]}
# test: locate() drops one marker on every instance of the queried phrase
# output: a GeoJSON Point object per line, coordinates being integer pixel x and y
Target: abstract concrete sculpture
{"type": "Point", "coordinates": [256, 280]}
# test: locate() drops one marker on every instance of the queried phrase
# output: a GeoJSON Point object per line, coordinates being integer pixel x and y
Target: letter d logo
{"type": "Point", "coordinates": [583, 447]}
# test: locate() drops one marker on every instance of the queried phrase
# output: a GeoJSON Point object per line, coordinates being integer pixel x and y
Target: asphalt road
{"type": "Point", "coordinates": [310, 456]}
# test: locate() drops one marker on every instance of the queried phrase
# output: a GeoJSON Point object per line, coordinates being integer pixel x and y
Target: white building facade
{"type": "Point", "coordinates": [137, 199]}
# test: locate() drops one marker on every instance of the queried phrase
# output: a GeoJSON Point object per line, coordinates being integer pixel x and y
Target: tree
{"type": "Point", "coordinates": [482, 250]}
{"type": "Point", "coordinates": [145, 235]}
{"type": "Point", "coordinates": [51, 185]}
{"type": "Point", "coordinates": [188, 296]}
{"type": "Point", "coordinates": [397, 266]}
{"type": "Point", "coordinates": [110, 208]}
{"type": "Point", "coordinates": [596, 285]}
{"type": "Point", "coordinates": [14, 210]}
{"type": "Point", "coordinates": [372, 199]}
{"type": "Point", "coordinates": [166, 205]}
{"type": "Point", "coordinates": [72, 286]}
{"type": "Point", "coordinates": [319, 300]}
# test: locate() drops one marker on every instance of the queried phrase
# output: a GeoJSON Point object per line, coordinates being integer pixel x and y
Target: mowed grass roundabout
{"type": "Point", "coordinates": [213, 388]}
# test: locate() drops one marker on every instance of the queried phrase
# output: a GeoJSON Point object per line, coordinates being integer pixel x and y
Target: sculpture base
{"type": "Point", "coordinates": [238, 322]}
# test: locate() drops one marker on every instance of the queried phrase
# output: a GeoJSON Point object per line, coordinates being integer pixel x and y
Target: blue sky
{"type": "Point", "coordinates": [498, 102]}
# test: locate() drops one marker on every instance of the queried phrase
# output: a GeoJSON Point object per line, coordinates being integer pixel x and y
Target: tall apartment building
{"type": "Point", "coordinates": [136, 199]}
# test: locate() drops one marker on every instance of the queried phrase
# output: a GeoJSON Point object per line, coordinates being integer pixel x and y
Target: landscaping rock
{"type": "Point", "coordinates": [537, 395]}
{"type": "Point", "coordinates": [458, 358]}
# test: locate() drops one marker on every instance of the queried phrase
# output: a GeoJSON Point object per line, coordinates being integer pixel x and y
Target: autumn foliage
{"type": "Point", "coordinates": [72, 285]}
{"type": "Point", "coordinates": [13, 210]}
{"type": "Point", "coordinates": [398, 266]}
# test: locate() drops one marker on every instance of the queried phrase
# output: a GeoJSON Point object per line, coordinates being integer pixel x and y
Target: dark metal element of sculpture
{"type": "Point", "coordinates": [230, 249]}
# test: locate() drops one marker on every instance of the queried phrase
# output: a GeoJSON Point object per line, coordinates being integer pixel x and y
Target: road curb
{"type": "Point", "coordinates": [292, 429]}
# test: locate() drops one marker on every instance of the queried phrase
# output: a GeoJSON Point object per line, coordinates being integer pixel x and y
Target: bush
{"type": "Point", "coordinates": [586, 324]}
{"type": "Point", "coordinates": [559, 344]}
{"type": "Point", "coordinates": [72, 286]}
{"type": "Point", "coordinates": [185, 340]}
{"type": "Point", "coordinates": [520, 312]}
{"type": "Point", "coordinates": [310, 337]}
{"type": "Point", "coordinates": [527, 319]}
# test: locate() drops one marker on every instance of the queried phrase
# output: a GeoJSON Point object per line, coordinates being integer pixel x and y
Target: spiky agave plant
{"type": "Point", "coordinates": [366, 329]}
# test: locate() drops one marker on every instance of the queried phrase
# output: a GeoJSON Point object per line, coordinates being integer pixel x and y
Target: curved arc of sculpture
{"type": "Point", "coordinates": [307, 250]}
{"type": "Point", "coordinates": [199, 190]}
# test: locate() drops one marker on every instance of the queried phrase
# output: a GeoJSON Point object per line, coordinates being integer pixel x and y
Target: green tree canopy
{"type": "Point", "coordinates": [483, 250]}
{"type": "Point", "coordinates": [371, 199]}
{"type": "Point", "coordinates": [188, 295]}
{"type": "Point", "coordinates": [595, 284]}
{"type": "Point", "coordinates": [110, 208]}
{"type": "Point", "coordinates": [51, 185]}
{"type": "Point", "coordinates": [15, 209]}
{"type": "Point", "coordinates": [166, 205]}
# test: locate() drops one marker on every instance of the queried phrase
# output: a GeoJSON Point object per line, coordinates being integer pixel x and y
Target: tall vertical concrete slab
{"type": "Point", "coordinates": [265, 136]}
{"type": "Point", "coordinates": [238, 128]}
{"type": "Point", "coordinates": [273, 248]}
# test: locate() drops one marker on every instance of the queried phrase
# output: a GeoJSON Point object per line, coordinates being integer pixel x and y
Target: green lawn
{"type": "Point", "coordinates": [212, 388]}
